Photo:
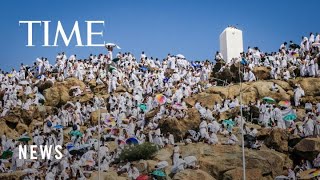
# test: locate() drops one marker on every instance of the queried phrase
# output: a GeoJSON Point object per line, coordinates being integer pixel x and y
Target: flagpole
{"type": "Point", "coordinates": [99, 143]}
{"type": "Point", "coordinates": [242, 130]}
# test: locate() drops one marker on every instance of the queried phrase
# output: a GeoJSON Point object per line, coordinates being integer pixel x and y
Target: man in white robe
{"type": "Point", "coordinates": [298, 93]}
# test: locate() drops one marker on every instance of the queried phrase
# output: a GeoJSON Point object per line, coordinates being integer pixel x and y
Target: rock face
{"type": "Point", "coordinates": [12, 176]}
{"type": "Point", "coordinates": [251, 91]}
{"type": "Point", "coordinates": [308, 148]}
{"type": "Point", "coordinates": [311, 87]}
{"type": "Point", "coordinates": [59, 93]}
{"type": "Point", "coordinates": [225, 162]}
{"type": "Point", "coordinates": [179, 127]}
{"type": "Point", "coordinates": [190, 174]}
{"type": "Point", "coordinates": [278, 140]}
{"type": "Point", "coordinates": [56, 95]}
{"type": "Point", "coordinates": [262, 73]}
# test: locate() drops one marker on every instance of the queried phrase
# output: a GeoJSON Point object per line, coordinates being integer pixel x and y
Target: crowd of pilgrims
{"type": "Point", "coordinates": [175, 78]}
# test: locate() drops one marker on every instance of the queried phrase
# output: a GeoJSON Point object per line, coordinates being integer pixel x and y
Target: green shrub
{"type": "Point", "coordinates": [137, 152]}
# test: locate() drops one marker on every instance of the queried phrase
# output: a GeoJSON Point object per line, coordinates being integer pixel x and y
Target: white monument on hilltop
{"type": "Point", "coordinates": [231, 44]}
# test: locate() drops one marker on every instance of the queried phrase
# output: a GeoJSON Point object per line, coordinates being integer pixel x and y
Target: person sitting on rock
{"type": "Point", "coordinates": [256, 145]}
{"type": "Point", "coordinates": [232, 140]}
{"type": "Point", "coordinates": [179, 165]}
{"type": "Point", "coordinates": [213, 139]}
{"type": "Point", "coordinates": [274, 87]}
{"type": "Point", "coordinates": [133, 172]}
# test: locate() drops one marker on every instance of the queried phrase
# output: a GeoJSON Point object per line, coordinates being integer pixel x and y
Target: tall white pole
{"type": "Point", "coordinates": [99, 144]}
{"type": "Point", "coordinates": [242, 130]}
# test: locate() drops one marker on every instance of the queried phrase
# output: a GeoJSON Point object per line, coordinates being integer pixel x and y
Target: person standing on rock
{"type": "Point", "coordinates": [204, 129]}
{"type": "Point", "coordinates": [176, 154]}
{"type": "Point", "coordinates": [309, 126]}
{"type": "Point", "coordinates": [298, 93]}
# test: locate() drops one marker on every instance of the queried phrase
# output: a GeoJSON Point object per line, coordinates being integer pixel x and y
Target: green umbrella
{"type": "Point", "coordinates": [290, 117]}
{"type": "Point", "coordinates": [115, 59]}
{"type": "Point", "coordinates": [159, 173]}
{"type": "Point", "coordinates": [269, 99]}
{"type": "Point", "coordinates": [6, 154]}
{"type": "Point", "coordinates": [111, 68]}
{"type": "Point", "coordinates": [75, 133]}
{"type": "Point", "coordinates": [143, 107]}
{"type": "Point", "coordinates": [24, 139]}
{"type": "Point", "coordinates": [228, 121]}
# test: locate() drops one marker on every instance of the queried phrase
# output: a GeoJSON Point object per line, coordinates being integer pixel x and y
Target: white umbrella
{"type": "Point", "coordinates": [74, 87]}
{"type": "Point", "coordinates": [316, 44]}
{"type": "Point", "coordinates": [39, 60]}
{"type": "Point", "coordinates": [281, 177]}
{"type": "Point", "coordinates": [162, 164]}
{"type": "Point", "coordinates": [23, 82]}
{"type": "Point", "coordinates": [192, 132]}
{"type": "Point", "coordinates": [180, 56]}
{"type": "Point", "coordinates": [190, 160]}
{"type": "Point", "coordinates": [112, 45]}
{"type": "Point", "coordinates": [40, 96]}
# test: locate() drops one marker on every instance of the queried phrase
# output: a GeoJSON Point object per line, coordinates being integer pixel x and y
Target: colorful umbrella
{"type": "Point", "coordinates": [132, 140]}
{"type": "Point", "coordinates": [269, 99]}
{"type": "Point", "coordinates": [75, 133]}
{"type": "Point", "coordinates": [285, 103]}
{"type": "Point", "coordinates": [290, 117]}
{"type": "Point", "coordinates": [69, 146]}
{"type": "Point", "coordinates": [58, 126]}
{"type": "Point", "coordinates": [166, 79]}
{"type": "Point", "coordinates": [110, 122]}
{"type": "Point", "coordinates": [228, 122]}
{"type": "Point", "coordinates": [144, 69]}
{"type": "Point", "coordinates": [309, 174]}
{"type": "Point", "coordinates": [161, 99]}
{"type": "Point", "coordinates": [159, 173]}
{"type": "Point", "coordinates": [121, 141]}
{"type": "Point", "coordinates": [178, 106]}
{"type": "Point", "coordinates": [24, 139]}
{"type": "Point", "coordinates": [6, 154]}
{"type": "Point", "coordinates": [143, 177]}
{"type": "Point", "coordinates": [143, 107]}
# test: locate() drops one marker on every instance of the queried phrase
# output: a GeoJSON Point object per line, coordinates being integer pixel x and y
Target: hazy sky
{"type": "Point", "coordinates": [189, 27]}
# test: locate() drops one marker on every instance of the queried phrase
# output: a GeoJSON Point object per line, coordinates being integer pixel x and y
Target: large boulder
{"type": "Point", "coordinates": [11, 119]}
{"type": "Point", "coordinates": [21, 128]}
{"type": "Point", "coordinates": [179, 127]}
{"type": "Point", "coordinates": [95, 115]}
{"type": "Point", "coordinates": [13, 175]}
{"type": "Point", "coordinates": [56, 95]}
{"type": "Point", "coordinates": [250, 91]}
{"type": "Point", "coordinates": [237, 174]}
{"type": "Point", "coordinates": [11, 133]}
{"type": "Point", "coordinates": [262, 73]}
{"type": "Point", "coordinates": [206, 99]}
{"type": "Point", "coordinates": [225, 162]}
{"type": "Point", "coordinates": [44, 85]}
{"type": "Point", "coordinates": [308, 148]}
{"type": "Point", "coordinates": [278, 140]}
{"type": "Point", "coordinates": [311, 86]}
{"type": "Point", "coordinates": [190, 174]}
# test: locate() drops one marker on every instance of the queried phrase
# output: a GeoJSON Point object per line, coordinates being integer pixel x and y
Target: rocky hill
{"type": "Point", "coordinates": [216, 162]}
